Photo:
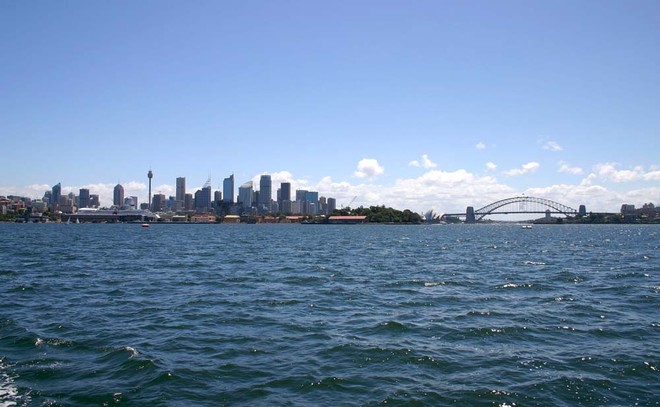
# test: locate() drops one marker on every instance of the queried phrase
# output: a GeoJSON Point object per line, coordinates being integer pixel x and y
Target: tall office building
{"type": "Point", "coordinates": [55, 195]}
{"type": "Point", "coordinates": [285, 191]}
{"type": "Point", "coordinates": [94, 201]}
{"type": "Point", "coordinates": [83, 198]}
{"type": "Point", "coordinates": [217, 197]}
{"type": "Point", "coordinates": [312, 200]}
{"type": "Point", "coordinates": [265, 192]}
{"type": "Point", "coordinates": [118, 195]}
{"type": "Point", "coordinates": [228, 189]}
{"type": "Point", "coordinates": [181, 189]}
{"type": "Point", "coordinates": [245, 193]}
{"type": "Point", "coordinates": [284, 197]}
{"type": "Point", "coordinates": [332, 206]}
{"type": "Point", "coordinates": [203, 199]}
{"type": "Point", "coordinates": [188, 202]}
{"type": "Point", "coordinates": [158, 202]}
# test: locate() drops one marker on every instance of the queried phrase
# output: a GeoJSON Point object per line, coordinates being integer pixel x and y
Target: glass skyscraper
{"type": "Point", "coordinates": [265, 192]}
{"type": "Point", "coordinates": [228, 189]}
{"type": "Point", "coordinates": [118, 195]}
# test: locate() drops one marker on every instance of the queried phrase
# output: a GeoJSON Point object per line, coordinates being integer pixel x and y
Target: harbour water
{"type": "Point", "coordinates": [319, 315]}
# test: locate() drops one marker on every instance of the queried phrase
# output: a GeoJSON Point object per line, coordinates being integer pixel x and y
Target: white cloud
{"type": "Point", "coordinates": [552, 146]}
{"type": "Point", "coordinates": [426, 163]}
{"type": "Point", "coordinates": [609, 172]}
{"type": "Point", "coordinates": [368, 168]}
{"type": "Point", "coordinates": [652, 176]}
{"type": "Point", "coordinates": [525, 169]}
{"type": "Point", "coordinates": [565, 168]}
{"type": "Point", "coordinates": [491, 166]}
{"type": "Point", "coordinates": [480, 146]}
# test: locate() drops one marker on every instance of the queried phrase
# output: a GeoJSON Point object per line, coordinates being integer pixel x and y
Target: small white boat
{"type": "Point", "coordinates": [526, 226]}
{"type": "Point", "coordinates": [145, 225]}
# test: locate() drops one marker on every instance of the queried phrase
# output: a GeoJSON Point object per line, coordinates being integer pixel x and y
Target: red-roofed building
{"type": "Point", "coordinates": [347, 219]}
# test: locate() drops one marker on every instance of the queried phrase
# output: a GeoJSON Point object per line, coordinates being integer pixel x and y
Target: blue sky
{"type": "Point", "coordinates": [411, 104]}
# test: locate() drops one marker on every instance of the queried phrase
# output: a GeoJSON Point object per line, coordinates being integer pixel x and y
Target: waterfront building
{"type": "Point", "coordinates": [245, 194]}
{"type": "Point", "coordinates": [217, 198]}
{"type": "Point", "coordinates": [118, 195]}
{"type": "Point", "coordinates": [228, 189]}
{"type": "Point", "coordinates": [83, 198]}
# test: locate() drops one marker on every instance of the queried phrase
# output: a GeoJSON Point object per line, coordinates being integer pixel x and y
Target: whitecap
{"type": "Point", "coordinates": [38, 342]}
{"type": "Point", "coordinates": [8, 390]}
{"type": "Point", "coordinates": [535, 263]}
{"type": "Point", "coordinates": [132, 351]}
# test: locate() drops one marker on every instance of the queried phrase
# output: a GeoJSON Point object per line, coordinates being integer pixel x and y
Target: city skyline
{"type": "Point", "coordinates": [429, 105]}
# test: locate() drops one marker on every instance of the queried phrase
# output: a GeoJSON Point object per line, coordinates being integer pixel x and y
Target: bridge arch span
{"type": "Point", "coordinates": [545, 204]}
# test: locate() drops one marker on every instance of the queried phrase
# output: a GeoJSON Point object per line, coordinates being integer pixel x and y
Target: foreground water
{"type": "Point", "coordinates": [182, 315]}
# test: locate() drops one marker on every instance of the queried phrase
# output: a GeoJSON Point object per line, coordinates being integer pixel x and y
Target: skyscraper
{"type": "Point", "coordinates": [118, 195]}
{"type": "Point", "coordinates": [284, 198]}
{"type": "Point", "coordinates": [55, 195]}
{"type": "Point", "coordinates": [332, 206]}
{"type": "Point", "coordinates": [181, 189]}
{"type": "Point", "coordinates": [203, 199]}
{"type": "Point", "coordinates": [265, 192]}
{"type": "Point", "coordinates": [245, 192]}
{"type": "Point", "coordinates": [83, 198]}
{"type": "Point", "coordinates": [312, 202]}
{"type": "Point", "coordinates": [228, 189]}
{"type": "Point", "coordinates": [285, 187]}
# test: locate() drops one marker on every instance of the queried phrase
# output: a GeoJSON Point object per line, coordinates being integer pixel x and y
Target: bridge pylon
{"type": "Point", "coordinates": [469, 215]}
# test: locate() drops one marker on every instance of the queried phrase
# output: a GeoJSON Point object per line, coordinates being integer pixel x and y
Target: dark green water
{"type": "Point", "coordinates": [208, 315]}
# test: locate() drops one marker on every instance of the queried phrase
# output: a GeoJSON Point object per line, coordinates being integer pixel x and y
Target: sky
{"type": "Point", "coordinates": [411, 104]}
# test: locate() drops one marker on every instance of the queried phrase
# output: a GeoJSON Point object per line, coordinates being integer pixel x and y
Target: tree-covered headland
{"type": "Point", "coordinates": [381, 214]}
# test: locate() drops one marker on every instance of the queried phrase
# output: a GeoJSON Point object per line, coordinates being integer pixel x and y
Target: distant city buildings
{"type": "Point", "coordinates": [248, 201]}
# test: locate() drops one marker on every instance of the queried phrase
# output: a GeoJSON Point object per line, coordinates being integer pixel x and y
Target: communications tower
{"type": "Point", "coordinates": [150, 175]}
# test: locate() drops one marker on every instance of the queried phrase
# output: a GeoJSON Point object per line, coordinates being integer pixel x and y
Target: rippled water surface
{"type": "Point", "coordinates": [181, 315]}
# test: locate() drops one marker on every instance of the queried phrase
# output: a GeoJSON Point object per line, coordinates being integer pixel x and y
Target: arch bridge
{"type": "Point", "coordinates": [515, 205]}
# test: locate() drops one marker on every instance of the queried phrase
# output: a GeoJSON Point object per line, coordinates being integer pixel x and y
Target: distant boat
{"type": "Point", "coordinates": [526, 226]}
{"type": "Point", "coordinates": [145, 225]}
